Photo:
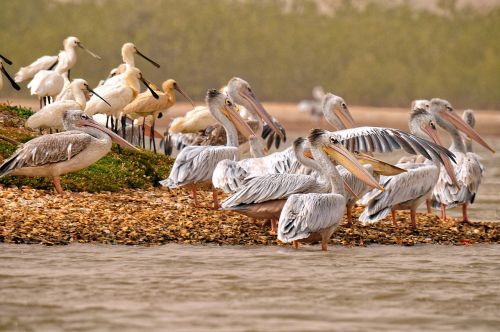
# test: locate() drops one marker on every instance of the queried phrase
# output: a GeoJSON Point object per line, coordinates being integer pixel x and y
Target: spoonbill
{"type": "Point", "coordinates": [51, 116]}
{"type": "Point", "coordinates": [4, 71]}
{"type": "Point", "coordinates": [66, 59]}
{"type": "Point", "coordinates": [145, 104]}
{"type": "Point", "coordinates": [194, 165]}
{"type": "Point", "coordinates": [53, 155]}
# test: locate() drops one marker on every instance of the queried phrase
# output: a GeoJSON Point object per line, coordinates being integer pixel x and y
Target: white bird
{"type": "Point", "coordinates": [307, 215]}
{"type": "Point", "coordinates": [66, 59]}
{"type": "Point", "coordinates": [84, 143]}
{"type": "Point", "coordinates": [47, 85]}
{"type": "Point", "coordinates": [408, 190]}
{"type": "Point", "coordinates": [51, 116]}
{"type": "Point", "coordinates": [4, 72]}
{"type": "Point", "coordinates": [118, 95]}
{"type": "Point", "coordinates": [263, 197]}
{"type": "Point", "coordinates": [194, 165]}
{"type": "Point", "coordinates": [468, 169]}
{"type": "Point", "coordinates": [128, 51]}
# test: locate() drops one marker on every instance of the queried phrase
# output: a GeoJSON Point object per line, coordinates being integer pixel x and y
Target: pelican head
{"type": "Point", "coordinates": [4, 71]}
{"type": "Point", "coordinates": [331, 144]}
{"type": "Point", "coordinates": [78, 120]}
{"type": "Point", "coordinates": [172, 84]}
{"type": "Point", "coordinates": [420, 104]}
{"type": "Point", "coordinates": [223, 108]}
{"type": "Point", "coordinates": [241, 93]}
{"type": "Point", "coordinates": [422, 124]}
{"type": "Point", "coordinates": [128, 51]}
{"type": "Point", "coordinates": [336, 112]}
{"type": "Point", "coordinates": [468, 117]}
{"type": "Point", "coordinates": [447, 118]}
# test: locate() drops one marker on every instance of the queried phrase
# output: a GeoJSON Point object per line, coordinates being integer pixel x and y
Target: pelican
{"type": "Point", "coordinates": [4, 71]}
{"type": "Point", "coordinates": [468, 168]}
{"type": "Point", "coordinates": [242, 94]}
{"type": "Point", "coordinates": [119, 94]}
{"type": "Point", "coordinates": [66, 59]}
{"type": "Point", "coordinates": [263, 197]}
{"type": "Point", "coordinates": [313, 107]}
{"type": "Point", "coordinates": [145, 104]}
{"type": "Point", "coordinates": [53, 155]}
{"type": "Point", "coordinates": [51, 116]}
{"type": "Point", "coordinates": [194, 165]}
{"type": "Point", "coordinates": [408, 190]}
{"type": "Point", "coordinates": [309, 214]}
{"type": "Point", "coordinates": [230, 174]}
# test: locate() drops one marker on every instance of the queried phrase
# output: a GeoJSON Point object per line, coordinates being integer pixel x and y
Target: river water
{"type": "Point", "coordinates": [200, 288]}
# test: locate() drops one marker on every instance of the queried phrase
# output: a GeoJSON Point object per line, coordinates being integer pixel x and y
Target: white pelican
{"type": "Point", "coordinates": [230, 174]}
{"type": "Point", "coordinates": [195, 164]}
{"type": "Point", "coordinates": [51, 116]}
{"type": "Point", "coordinates": [4, 71]}
{"type": "Point", "coordinates": [408, 190]}
{"type": "Point", "coordinates": [84, 143]}
{"type": "Point", "coordinates": [119, 94]}
{"type": "Point", "coordinates": [145, 104]}
{"type": "Point", "coordinates": [66, 59]}
{"type": "Point", "coordinates": [309, 214]}
{"type": "Point", "coordinates": [313, 106]}
{"type": "Point", "coordinates": [263, 197]}
{"type": "Point", "coordinates": [468, 169]}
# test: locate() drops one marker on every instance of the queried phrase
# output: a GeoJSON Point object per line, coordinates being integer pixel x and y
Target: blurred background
{"type": "Point", "coordinates": [378, 53]}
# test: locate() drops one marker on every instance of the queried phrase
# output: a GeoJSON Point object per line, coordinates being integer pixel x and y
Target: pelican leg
{"type": "Point", "coordinates": [349, 215]}
{"type": "Point", "coordinates": [295, 244]}
{"type": "Point", "coordinates": [413, 218]}
{"type": "Point", "coordinates": [464, 212]}
{"type": "Point", "coordinates": [443, 212]}
{"type": "Point", "coordinates": [429, 206]}
{"type": "Point", "coordinates": [215, 198]}
{"type": "Point", "coordinates": [194, 196]}
{"type": "Point", "coordinates": [324, 243]}
{"type": "Point", "coordinates": [394, 221]}
{"type": "Point", "coordinates": [274, 227]}
{"type": "Point", "coordinates": [56, 181]}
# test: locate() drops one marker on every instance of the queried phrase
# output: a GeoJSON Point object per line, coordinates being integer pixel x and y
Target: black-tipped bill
{"type": "Point", "coordinates": [94, 93]}
{"type": "Point", "coordinates": [143, 80]}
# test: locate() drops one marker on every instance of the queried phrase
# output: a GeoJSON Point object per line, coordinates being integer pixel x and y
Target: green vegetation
{"type": "Point", "coordinates": [377, 56]}
{"type": "Point", "coordinates": [118, 170]}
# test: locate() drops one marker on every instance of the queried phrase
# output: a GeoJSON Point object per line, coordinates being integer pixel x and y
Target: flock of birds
{"type": "Point", "coordinates": [303, 190]}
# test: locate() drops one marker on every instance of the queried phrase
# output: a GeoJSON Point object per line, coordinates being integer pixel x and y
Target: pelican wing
{"type": "Point", "coordinates": [28, 72]}
{"type": "Point", "coordinates": [229, 176]}
{"type": "Point", "coordinates": [304, 214]}
{"type": "Point", "coordinates": [402, 188]}
{"type": "Point", "coordinates": [383, 140]}
{"type": "Point", "coordinates": [468, 171]}
{"type": "Point", "coordinates": [197, 163]}
{"type": "Point", "coordinates": [47, 149]}
{"type": "Point", "coordinates": [271, 187]}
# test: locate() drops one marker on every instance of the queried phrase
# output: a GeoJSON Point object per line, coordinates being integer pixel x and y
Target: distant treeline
{"type": "Point", "coordinates": [378, 56]}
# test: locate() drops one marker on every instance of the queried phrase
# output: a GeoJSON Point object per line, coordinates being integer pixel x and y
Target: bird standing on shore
{"type": "Point", "coordinates": [53, 155]}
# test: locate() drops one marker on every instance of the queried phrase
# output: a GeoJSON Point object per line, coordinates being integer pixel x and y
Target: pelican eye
{"type": "Point", "coordinates": [449, 108]}
{"type": "Point", "coordinates": [334, 140]}
{"type": "Point", "coordinates": [344, 105]}
{"type": "Point", "coordinates": [228, 102]}
{"type": "Point", "coordinates": [85, 117]}
{"type": "Point", "coordinates": [432, 125]}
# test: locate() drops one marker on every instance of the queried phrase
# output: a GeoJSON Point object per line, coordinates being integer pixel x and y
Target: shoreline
{"type": "Point", "coordinates": [155, 216]}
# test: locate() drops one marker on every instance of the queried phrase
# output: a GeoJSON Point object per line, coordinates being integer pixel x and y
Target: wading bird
{"type": "Point", "coordinates": [410, 189]}
{"type": "Point", "coordinates": [4, 72]}
{"type": "Point", "coordinates": [194, 165]}
{"type": "Point", "coordinates": [468, 168]}
{"type": "Point", "coordinates": [53, 155]}
{"type": "Point", "coordinates": [118, 95]}
{"type": "Point", "coordinates": [309, 214]}
{"type": "Point", "coordinates": [51, 116]}
{"type": "Point", "coordinates": [145, 104]}
{"type": "Point", "coordinates": [128, 52]}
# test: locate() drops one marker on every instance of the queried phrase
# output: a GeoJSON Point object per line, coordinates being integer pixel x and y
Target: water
{"type": "Point", "coordinates": [200, 288]}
